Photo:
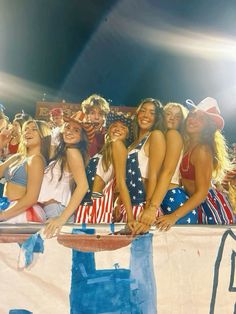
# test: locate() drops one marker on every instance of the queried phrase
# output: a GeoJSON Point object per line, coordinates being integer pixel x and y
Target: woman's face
{"type": "Point", "coordinates": [196, 122]}
{"type": "Point", "coordinates": [71, 133]}
{"type": "Point", "coordinates": [118, 130]}
{"type": "Point", "coordinates": [146, 116]}
{"type": "Point", "coordinates": [173, 117]}
{"type": "Point", "coordinates": [31, 136]}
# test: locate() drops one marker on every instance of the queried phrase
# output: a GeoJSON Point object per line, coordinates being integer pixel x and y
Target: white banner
{"type": "Point", "coordinates": [185, 270]}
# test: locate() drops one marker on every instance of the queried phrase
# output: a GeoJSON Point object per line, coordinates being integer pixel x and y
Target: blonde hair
{"type": "Point", "coordinates": [232, 196]}
{"type": "Point", "coordinates": [95, 101]}
{"type": "Point", "coordinates": [107, 152]}
{"type": "Point", "coordinates": [184, 112]}
{"type": "Point", "coordinates": [222, 163]}
{"type": "Point", "coordinates": [44, 133]}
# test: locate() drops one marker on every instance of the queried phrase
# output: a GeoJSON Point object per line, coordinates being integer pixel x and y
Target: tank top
{"type": "Point", "coordinates": [187, 169]}
{"type": "Point", "coordinates": [17, 174]}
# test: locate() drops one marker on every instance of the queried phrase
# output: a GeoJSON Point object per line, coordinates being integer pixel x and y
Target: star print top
{"type": "Point", "coordinates": [94, 168]}
{"type": "Point", "coordinates": [133, 174]}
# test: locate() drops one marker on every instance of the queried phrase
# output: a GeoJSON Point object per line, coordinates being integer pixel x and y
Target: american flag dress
{"type": "Point", "coordinates": [134, 182]}
{"type": "Point", "coordinates": [95, 209]}
{"type": "Point", "coordinates": [216, 209]}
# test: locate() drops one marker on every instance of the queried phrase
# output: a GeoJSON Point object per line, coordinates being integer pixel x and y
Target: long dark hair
{"type": "Point", "coordinates": [60, 153]}
{"type": "Point", "coordinates": [159, 123]}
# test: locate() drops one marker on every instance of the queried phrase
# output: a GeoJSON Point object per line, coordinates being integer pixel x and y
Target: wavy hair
{"type": "Point", "coordinates": [60, 153]}
{"type": "Point", "coordinates": [159, 123]}
{"type": "Point", "coordinates": [45, 135]}
{"type": "Point", "coordinates": [213, 137]}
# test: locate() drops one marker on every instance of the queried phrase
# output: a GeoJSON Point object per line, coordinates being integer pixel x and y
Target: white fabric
{"type": "Point", "coordinates": [55, 136]}
{"type": "Point", "coordinates": [105, 175]}
{"type": "Point", "coordinates": [176, 176]}
{"type": "Point", "coordinates": [52, 188]}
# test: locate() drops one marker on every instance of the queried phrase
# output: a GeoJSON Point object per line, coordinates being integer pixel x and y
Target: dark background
{"type": "Point", "coordinates": [124, 50]}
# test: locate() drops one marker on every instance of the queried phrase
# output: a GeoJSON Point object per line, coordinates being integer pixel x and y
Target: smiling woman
{"type": "Point", "coordinates": [64, 183]}
{"type": "Point", "coordinates": [24, 173]}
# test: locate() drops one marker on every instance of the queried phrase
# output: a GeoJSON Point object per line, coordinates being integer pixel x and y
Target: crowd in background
{"type": "Point", "coordinates": [163, 165]}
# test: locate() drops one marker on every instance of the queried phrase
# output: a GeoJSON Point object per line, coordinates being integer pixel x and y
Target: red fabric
{"type": "Point", "coordinates": [97, 143]}
{"type": "Point", "coordinates": [187, 170]}
{"type": "Point", "coordinates": [32, 216]}
{"type": "Point", "coordinates": [12, 148]}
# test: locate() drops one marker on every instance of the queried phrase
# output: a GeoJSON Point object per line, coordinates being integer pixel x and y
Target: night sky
{"type": "Point", "coordinates": [124, 50]}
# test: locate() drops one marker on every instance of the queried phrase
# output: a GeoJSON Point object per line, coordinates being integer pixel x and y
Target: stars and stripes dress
{"type": "Point", "coordinates": [95, 207]}
{"type": "Point", "coordinates": [134, 182]}
{"type": "Point", "coordinates": [216, 209]}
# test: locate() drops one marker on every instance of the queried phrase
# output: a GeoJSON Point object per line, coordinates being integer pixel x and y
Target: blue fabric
{"type": "Point", "coordinates": [91, 170]}
{"type": "Point", "coordinates": [19, 311]}
{"type": "Point", "coordinates": [116, 290]}
{"type": "Point", "coordinates": [174, 199]}
{"type": "Point", "coordinates": [134, 180]}
{"type": "Point", "coordinates": [34, 244]}
{"type": "Point", "coordinates": [17, 174]}
{"type": "Point", "coordinates": [4, 203]}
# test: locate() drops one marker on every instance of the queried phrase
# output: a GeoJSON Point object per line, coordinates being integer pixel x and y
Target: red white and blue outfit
{"type": "Point", "coordinates": [215, 209]}
{"type": "Point", "coordinates": [97, 207]}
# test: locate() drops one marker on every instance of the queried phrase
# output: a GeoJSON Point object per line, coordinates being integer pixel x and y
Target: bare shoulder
{"type": "Point", "coordinates": [174, 137]}
{"type": "Point", "coordinates": [173, 134]}
{"type": "Point", "coordinates": [119, 148]}
{"type": "Point", "coordinates": [202, 152]}
{"type": "Point", "coordinates": [35, 159]}
{"type": "Point", "coordinates": [73, 152]}
{"type": "Point", "coordinates": [155, 134]}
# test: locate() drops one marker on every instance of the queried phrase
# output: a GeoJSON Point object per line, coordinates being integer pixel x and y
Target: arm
{"type": "Point", "coordinates": [119, 155]}
{"type": "Point", "coordinates": [35, 170]}
{"type": "Point", "coordinates": [77, 168]}
{"type": "Point", "coordinates": [157, 150]}
{"type": "Point", "coordinates": [203, 163]}
{"type": "Point", "coordinates": [174, 146]}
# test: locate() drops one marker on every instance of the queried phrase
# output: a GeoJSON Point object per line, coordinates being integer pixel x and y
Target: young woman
{"type": "Point", "coordinates": [205, 158]}
{"type": "Point", "coordinates": [168, 194]}
{"type": "Point", "coordinates": [102, 168]}
{"type": "Point", "coordinates": [17, 125]}
{"type": "Point", "coordinates": [24, 173]}
{"type": "Point", "coordinates": [65, 183]}
{"type": "Point", "coordinates": [144, 161]}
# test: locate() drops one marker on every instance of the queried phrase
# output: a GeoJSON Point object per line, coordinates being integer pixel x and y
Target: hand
{"type": "Point", "coordinates": [53, 227]}
{"type": "Point", "coordinates": [148, 216]}
{"type": "Point", "coordinates": [132, 225]}
{"type": "Point", "coordinates": [2, 217]}
{"type": "Point", "coordinates": [141, 228]}
{"type": "Point", "coordinates": [164, 223]}
{"type": "Point", "coordinates": [116, 214]}
{"type": "Point", "coordinates": [5, 137]}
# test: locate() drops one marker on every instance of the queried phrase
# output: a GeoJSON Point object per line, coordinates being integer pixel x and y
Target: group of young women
{"type": "Point", "coordinates": [159, 167]}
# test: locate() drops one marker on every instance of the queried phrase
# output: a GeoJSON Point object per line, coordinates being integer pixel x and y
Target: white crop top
{"type": "Point", "coordinates": [176, 176]}
{"type": "Point", "coordinates": [52, 188]}
{"type": "Point", "coordinates": [106, 176]}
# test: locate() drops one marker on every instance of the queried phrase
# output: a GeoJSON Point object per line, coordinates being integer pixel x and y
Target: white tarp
{"type": "Point", "coordinates": [194, 270]}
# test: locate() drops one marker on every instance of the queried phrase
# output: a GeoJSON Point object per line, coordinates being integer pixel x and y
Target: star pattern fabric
{"type": "Point", "coordinates": [174, 199]}
{"type": "Point", "coordinates": [134, 180]}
